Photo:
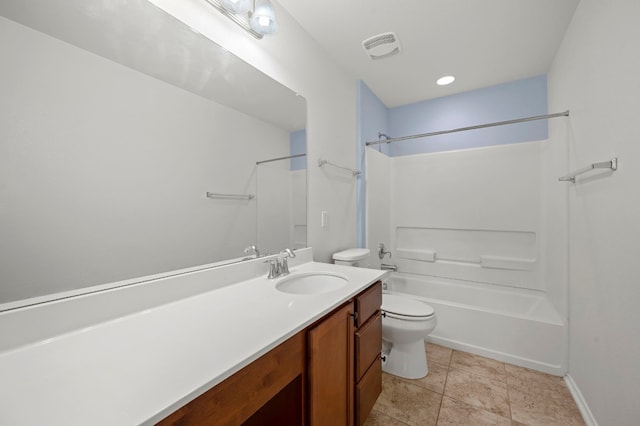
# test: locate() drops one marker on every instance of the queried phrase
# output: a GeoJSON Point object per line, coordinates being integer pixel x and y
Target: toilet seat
{"type": "Point", "coordinates": [405, 308]}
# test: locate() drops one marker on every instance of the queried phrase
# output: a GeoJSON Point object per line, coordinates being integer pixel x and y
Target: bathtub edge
{"type": "Point", "coordinates": [556, 370]}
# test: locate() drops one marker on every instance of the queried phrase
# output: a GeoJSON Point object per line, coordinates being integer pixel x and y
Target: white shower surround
{"type": "Point", "coordinates": [470, 233]}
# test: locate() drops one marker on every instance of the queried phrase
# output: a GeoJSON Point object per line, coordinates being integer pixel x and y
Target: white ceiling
{"type": "Point", "coordinates": [481, 42]}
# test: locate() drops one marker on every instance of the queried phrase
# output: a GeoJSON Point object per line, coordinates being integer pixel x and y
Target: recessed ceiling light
{"type": "Point", "coordinates": [447, 79]}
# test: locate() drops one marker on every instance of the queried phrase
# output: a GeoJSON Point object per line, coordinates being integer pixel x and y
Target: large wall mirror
{"type": "Point", "coordinates": [282, 199]}
{"type": "Point", "coordinates": [116, 120]}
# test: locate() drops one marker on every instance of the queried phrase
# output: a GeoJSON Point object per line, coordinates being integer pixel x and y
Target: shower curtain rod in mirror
{"type": "Point", "coordinates": [463, 129]}
{"type": "Point", "coordinates": [280, 158]}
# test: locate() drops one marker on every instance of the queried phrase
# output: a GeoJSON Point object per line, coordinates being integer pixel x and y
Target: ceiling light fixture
{"type": "Point", "coordinates": [447, 79]}
{"type": "Point", "coordinates": [263, 18]}
{"type": "Point", "coordinates": [257, 17]}
{"type": "Point", "coordinates": [239, 7]}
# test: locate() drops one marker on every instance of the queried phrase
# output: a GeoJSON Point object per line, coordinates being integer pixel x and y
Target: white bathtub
{"type": "Point", "coordinates": [512, 325]}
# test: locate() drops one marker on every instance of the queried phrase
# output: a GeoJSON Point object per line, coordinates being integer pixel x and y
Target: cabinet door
{"type": "Point", "coordinates": [330, 369]}
{"type": "Point", "coordinates": [368, 345]}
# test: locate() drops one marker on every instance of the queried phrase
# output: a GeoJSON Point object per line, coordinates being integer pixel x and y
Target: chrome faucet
{"type": "Point", "coordinates": [252, 249]}
{"type": "Point", "coordinates": [280, 266]}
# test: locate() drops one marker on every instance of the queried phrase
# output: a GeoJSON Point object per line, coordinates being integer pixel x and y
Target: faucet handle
{"type": "Point", "coordinates": [274, 270]}
{"type": "Point", "coordinates": [382, 252]}
{"type": "Point", "coordinates": [286, 253]}
{"type": "Point", "coordinates": [282, 260]}
{"type": "Point", "coordinates": [284, 267]}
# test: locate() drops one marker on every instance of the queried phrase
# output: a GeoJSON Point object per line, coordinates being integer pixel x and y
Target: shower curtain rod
{"type": "Point", "coordinates": [281, 158]}
{"type": "Point", "coordinates": [463, 129]}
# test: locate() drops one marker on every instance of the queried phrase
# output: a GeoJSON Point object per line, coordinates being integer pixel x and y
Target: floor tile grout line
{"type": "Point", "coordinates": [501, 383]}
{"type": "Point", "coordinates": [444, 387]}
{"type": "Point", "coordinates": [506, 382]}
{"type": "Point", "coordinates": [394, 418]}
{"type": "Point", "coordinates": [463, 367]}
{"type": "Point", "coordinates": [408, 381]}
{"type": "Point", "coordinates": [473, 373]}
{"type": "Point", "coordinates": [475, 407]}
{"type": "Point", "coordinates": [466, 403]}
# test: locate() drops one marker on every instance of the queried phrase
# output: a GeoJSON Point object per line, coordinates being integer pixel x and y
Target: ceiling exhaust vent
{"type": "Point", "coordinates": [382, 45]}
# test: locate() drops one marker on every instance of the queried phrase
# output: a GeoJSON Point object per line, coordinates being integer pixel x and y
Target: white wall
{"type": "Point", "coordinates": [378, 167]}
{"type": "Point", "coordinates": [139, 152]}
{"type": "Point", "coordinates": [595, 75]}
{"type": "Point", "coordinates": [295, 60]}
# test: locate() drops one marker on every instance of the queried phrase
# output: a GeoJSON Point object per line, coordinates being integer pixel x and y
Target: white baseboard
{"type": "Point", "coordinates": [587, 416]}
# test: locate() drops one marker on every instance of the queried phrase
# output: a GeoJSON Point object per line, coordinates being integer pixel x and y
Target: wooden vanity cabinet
{"type": "Point", "coordinates": [328, 374]}
{"type": "Point", "coordinates": [344, 372]}
{"type": "Point", "coordinates": [330, 369]}
{"type": "Point", "coordinates": [270, 390]}
{"type": "Point", "coordinates": [368, 343]}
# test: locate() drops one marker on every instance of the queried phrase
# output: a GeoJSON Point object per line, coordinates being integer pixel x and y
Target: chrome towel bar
{"type": "Point", "coordinates": [231, 196]}
{"type": "Point", "coordinates": [571, 177]}
{"type": "Point", "coordinates": [280, 158]}
{"type": "Point", "coordinates": [322, 162]}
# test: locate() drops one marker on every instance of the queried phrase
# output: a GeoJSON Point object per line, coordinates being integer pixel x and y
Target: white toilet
{"type": "Point", "coordinates": [405, 324]}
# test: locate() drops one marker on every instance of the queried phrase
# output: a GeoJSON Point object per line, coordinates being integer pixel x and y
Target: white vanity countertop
{"type": "Point", "coordinates": [139, 368]}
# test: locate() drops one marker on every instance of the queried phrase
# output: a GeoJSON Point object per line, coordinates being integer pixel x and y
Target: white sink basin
{"type": "Point", "coordinates": [311, 283]}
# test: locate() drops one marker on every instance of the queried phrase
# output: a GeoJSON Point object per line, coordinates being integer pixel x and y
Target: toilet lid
{"type": "Point", "coordinates": [352, 255]}
{"type": "Point", "coordinates": [405, 306]}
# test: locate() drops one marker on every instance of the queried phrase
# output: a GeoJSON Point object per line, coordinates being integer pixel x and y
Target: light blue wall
{"type": "Point", "coordinates": [298, 144]}
{"type": "Point", "coordinates": [373, 117]}
{"type": "Point", "coordinates": [517, 99]}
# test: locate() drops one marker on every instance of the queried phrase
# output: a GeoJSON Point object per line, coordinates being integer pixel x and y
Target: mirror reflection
{"type": "Point", "coordinates": [282, 199]}
{"type": "Point", "coordinates": [116, 120]}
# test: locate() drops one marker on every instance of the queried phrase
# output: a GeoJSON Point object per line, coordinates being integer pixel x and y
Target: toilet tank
{"type": "Point", "coordinates": [358, 257]}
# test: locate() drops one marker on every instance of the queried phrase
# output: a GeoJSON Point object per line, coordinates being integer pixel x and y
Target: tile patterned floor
{"type": "Point", "coordinates": [467, 389]}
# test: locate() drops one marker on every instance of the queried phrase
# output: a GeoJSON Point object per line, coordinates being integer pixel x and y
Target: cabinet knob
{"type": "Point", "coordinates": [355, 318]}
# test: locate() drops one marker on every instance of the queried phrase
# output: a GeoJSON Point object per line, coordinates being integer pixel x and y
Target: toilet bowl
{"type": "Point", "coordinates": [405, 324]}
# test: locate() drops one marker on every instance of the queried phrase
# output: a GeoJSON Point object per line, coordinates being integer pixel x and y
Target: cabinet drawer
{"type": "Point", "coordinates": [368, 303]}
{"type": "Point", "coordinates": [368, 390]}
{"type": "Point", "coordinates": [368, 344]}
